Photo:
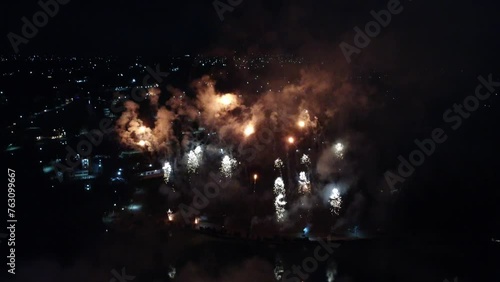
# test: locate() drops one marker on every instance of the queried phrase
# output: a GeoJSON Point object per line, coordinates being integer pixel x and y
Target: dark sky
{"type": "Point", "coordinates": [425, 30]}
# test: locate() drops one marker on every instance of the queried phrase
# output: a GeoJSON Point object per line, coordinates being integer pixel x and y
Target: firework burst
{"type": "Point", "coordinates": [339, 150]}
{"type": "Point", "coordinates": [304, 183]}
{"type": "Point", "coordinates": [335, 201]}
{"type": "Point", "coordinates": [227, 166]}
{"type": "Point", "coordinates": [305, 160]}
{"type": "Point", "coordinates": [194, 158]}
{"type": "Point", "coordinates": [167, 169]}
{"type": "Point", "coordinates": [279, 203]}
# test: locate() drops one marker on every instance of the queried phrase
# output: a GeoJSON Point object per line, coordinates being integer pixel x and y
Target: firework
{"type": "Point", "coordinates": [249, 130]}
{"type": "Point", "coordinates": [227, 99]}
{"type": "Point", "coordinates": [301, 123]}
{"type": "Point", "coordinates": [335, 201]}
{"type": "Point", "coordinates": [279, 203]}
{"type": "Point", "coordinates": [278, 163]}
{"type": "Point", "coordinates": [227, 166]}
{"type": "Point", "coordinates": [304, 184]}
{"type": "Point", "coordinates": [194, 158]}
{"type": "Point", "coordinates": [167, 169]}
{"type": "Point", "coordinates": [170, 215]}
{"type": "Point", "coordinates": [339, 150]}
{"type": "Point", "coordinates": [305, 160]}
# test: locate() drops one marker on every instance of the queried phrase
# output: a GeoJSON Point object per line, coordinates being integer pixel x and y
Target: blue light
{"type": "Point", "coordinates": [306, 229]}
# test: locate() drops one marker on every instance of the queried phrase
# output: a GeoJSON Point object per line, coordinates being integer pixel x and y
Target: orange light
{"type": "Point", "coordinates": [255, 177]}
{"type": "Point", "coordinates": [142, 129]}
{"type": "Point", "coordinates": [142, 143]}
{"type": "Point", "coordinates": [226, 100]}
{"type": "Point", "coordinates": [291, 140]}
{"type": "Point", "coordinates": [249, 130]}
{"type": "Point", "coordinates": [301, 123]}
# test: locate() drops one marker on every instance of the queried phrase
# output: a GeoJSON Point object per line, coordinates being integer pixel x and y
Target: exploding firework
{"type": "Point", "coordinates": [227, 166]}
{"type": "Point", "coordinates": [304, 183]}
{"type": "Point", "coordinates": [279, 202]}
{"type": "Point", "coordinates": [278, 163]}
{"type": "Point", "coordinates": [339, 150]}
{"type": "Point", "coordinates": [305, 160]}
{"type": "Point", "coordinates": [194, 158]}
{"type": "Point", "coordinates": [335, 201]}
{"type": "Point", "coordinates": [167, 169]}
{"type": "Point", "coordinates": [227, 99]}
{"type": "Point", "coordinates": [249, 130]}
{"type": "Point", "coordinates": [301, 123]}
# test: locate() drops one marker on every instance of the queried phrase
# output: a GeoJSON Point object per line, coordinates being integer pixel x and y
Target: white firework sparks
{"type": "Point", "coordinates": [304, 183]}
{"type": "Point", "coordinates": [305, 160]}
{"type": "Point", "coordinates": [194, 158]}
{"type": "Point", "coordinates": [335, 201]}
{"type": "Point", "coordinates": [278, 163]}
{"type": "Point", "coordinates": [339, 150]}
{"type": "Point", "coordinates": [227, 166]}
{"type": "Point", "coordinates": [167, 169]}
{"type": "Point", "coordinates": [279, 203]}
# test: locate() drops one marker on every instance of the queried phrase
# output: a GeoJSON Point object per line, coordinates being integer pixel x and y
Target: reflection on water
{"type": "Point", "coordinates": [278, 269]}
{"type": "Point", "coordinates": [331, 271]}
{"type": "Point", "coordinates": [361, 260]}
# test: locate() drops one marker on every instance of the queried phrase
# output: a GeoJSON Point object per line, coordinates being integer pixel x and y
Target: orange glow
{"type": "Point", "coordinates": [291, 140]}
{"type": "Point", "coordinates": [142, 129]}
{"type": "Point", "coordinates": [301, 123]}
{"type": "Point", "coordinates": [249, 130]}
{"type": "Point", "coordinates": [255, 177]}
{"type": "Point", "coordinates": [226, 100]}
{"type": "Point", "coordinates": [196, 220]}
{"type": "Point", "coordinates": [142, 143]}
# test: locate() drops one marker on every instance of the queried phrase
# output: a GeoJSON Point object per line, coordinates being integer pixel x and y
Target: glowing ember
{"type": "Point", "coordinates": [291, 140]}
{"type": "Point", "coordinates": [142, 129]}
{"type": "Point", "coordinates": [226, 100]}
{"type": "Point", "coordinates": [249, 130]}
{"type": "Point", "coordinates": [301, 123]}
{"type": "Point", "coordinates": [255, 177]}
{"type": "Point", "coordinates": [305, 160]}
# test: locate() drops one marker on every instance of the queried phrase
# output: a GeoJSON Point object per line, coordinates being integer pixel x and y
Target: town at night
{"type": "Point", "coordinates": [232, 140]}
